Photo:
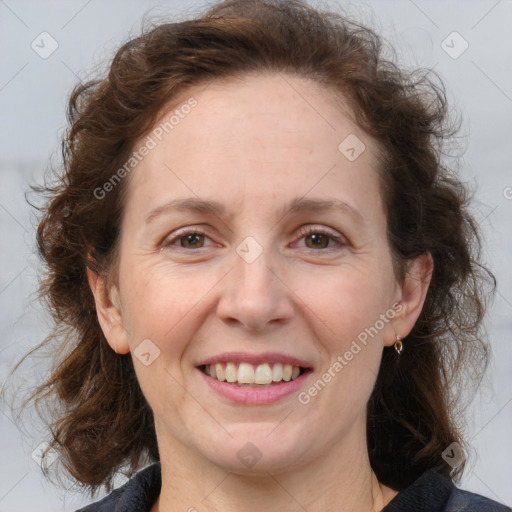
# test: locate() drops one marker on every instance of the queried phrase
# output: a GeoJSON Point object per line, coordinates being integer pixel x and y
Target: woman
{"type": "Point", "coordinates": [266, 282]}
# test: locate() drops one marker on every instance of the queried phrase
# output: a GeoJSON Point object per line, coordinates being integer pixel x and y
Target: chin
{"type": "Point", "coordinates": [250, 453]}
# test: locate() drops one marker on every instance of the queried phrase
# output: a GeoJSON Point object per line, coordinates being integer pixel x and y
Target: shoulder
{"type": "Point", "coordinates": [433, 492]}
{"type": "Point", "coordinates": [465, 501]}
{"type": "Point", "coordinates": [137, 495]}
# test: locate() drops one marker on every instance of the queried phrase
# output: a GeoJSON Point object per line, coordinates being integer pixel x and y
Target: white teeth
{"type": "Point", "coordinates": [245, 373]}
{"type": "Point", "coordinates": [220, 372]}
{"type": "Point", "coordinates": [231, 372]}
{"type": "Point", "coordinates": [263, 374]}
{"type": "Point", "coordinates": [277, 372]}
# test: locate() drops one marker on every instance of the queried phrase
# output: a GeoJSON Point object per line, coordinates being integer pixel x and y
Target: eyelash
{"type": "Point", "coordinates": [182, 234]}
{"type": "Point", "coordinates": [312, 230]}
{"type": "Point", "coordinates": [303, 232]}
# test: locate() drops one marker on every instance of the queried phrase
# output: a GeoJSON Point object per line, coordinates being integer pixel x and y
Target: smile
{"type": "Point", "coordinates": [246, 374]}
{"type": "Point", "coordinates": [254, 379]}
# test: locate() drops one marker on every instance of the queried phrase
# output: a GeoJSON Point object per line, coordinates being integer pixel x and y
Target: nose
{"type": "Point", "coordinates": [255, 295]}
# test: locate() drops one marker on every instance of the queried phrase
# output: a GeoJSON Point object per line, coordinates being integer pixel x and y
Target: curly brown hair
{"type": "Point", "coordinates": [102, 422]}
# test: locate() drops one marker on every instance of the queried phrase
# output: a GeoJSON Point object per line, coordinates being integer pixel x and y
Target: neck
{"type": "Point", "coordinates": [339, 480]}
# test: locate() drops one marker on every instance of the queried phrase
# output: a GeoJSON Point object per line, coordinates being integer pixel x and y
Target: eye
{"type": "Point", "coordinates": [187, 239]}
{"type": "Point", "coordinates": [320, 238]}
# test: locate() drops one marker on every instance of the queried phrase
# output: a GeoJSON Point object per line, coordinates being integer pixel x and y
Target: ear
{"type": "Point", "coordinates": [411, 296]}
{"type": "Point", "coordinates": [108, 307]}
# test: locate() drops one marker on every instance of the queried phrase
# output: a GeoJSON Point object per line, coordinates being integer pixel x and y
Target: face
{"type": "Point", "coordinates": [253, 246]}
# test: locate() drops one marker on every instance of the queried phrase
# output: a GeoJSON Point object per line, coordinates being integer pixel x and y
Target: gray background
{"type": "Point", "coordinates": [33, 94]}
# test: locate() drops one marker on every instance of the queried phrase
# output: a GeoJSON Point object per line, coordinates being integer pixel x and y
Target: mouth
{"type": "Point", "coordinates": [243, 374]}
{"type": "Point", "coordinates": [254, 379]}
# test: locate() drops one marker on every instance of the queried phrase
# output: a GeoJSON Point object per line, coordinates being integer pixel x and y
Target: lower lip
{"type": "Point", "coordinates": [255, 396]}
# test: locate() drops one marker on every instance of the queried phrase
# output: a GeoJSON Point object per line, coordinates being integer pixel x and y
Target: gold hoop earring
{"type": "Point", "coordinates": [398, 345]}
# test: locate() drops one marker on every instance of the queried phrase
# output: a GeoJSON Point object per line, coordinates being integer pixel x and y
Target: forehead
{"type": "Point", "coordinates": [268, 109]}
{"type": "Point", "coordinates": [255, 135]}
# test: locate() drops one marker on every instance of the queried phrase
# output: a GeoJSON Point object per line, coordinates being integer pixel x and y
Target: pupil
{"type": "Point", "coordinates": [192, 240]}
{"type": "Point", "coordinates": [318, 240]}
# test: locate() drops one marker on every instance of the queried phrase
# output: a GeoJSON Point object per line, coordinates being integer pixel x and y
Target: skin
{"type": "Point", "coordinates": [254, 144]}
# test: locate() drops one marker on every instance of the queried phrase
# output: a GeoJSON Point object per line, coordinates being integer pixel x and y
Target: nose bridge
{"type": "Point", "coordinates": [253, 266]}
{"type": "Point", "coordinates": [253, 295]}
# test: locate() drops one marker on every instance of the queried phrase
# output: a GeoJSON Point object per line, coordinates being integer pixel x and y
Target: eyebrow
{"type": "Point", "coordinates": [303, 204]}
{"type": "Point", "coordinates": [297, 205]}
{"type": "Point", "coordinates": [190, 204]}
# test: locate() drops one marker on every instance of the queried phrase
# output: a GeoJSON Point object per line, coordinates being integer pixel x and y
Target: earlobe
{"type": "Point", "coordinates": [413, 292]}
{"type": "Point", "coordinates": [108, 307]}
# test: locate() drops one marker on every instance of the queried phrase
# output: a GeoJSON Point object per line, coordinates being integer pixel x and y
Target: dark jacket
{"type": "Point", "coordinates": [431, 492]}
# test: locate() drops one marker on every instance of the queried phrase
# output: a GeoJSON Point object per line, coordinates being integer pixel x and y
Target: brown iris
{"type": "Point", "coordinates": [319, 241]}
{"type": "Point", "coordinates": [192, 240]}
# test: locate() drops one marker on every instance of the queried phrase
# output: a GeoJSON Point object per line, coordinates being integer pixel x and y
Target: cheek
{"type": "Point", "coordinates": [160, 306]}
{"type": "Point", "coordinates": [350, 330]}
{"type": "Point", "coordinates": [350, 301]}
{"type": "Point", "coordinates": [158, 301]}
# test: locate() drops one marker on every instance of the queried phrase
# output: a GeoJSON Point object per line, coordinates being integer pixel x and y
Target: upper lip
{"type": "Point", "coordinates": [266, 357]}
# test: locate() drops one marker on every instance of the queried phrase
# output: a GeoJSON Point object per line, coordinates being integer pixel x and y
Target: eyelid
{"type": "Point", "coordinates": [170, 240]}
{"type": "Point", "coordinates": [303, 231]}
{"type": "Point", "coordinates": [333, 235]}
